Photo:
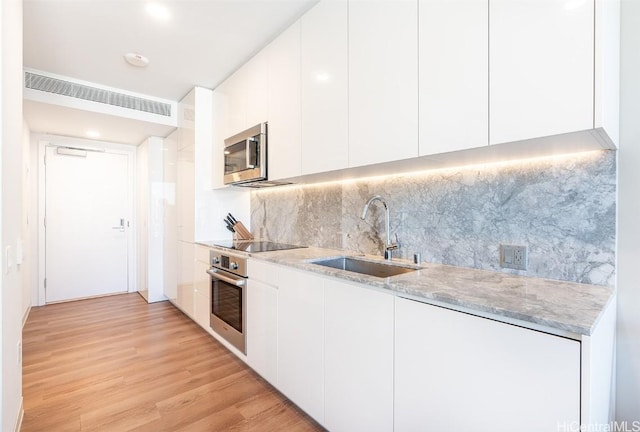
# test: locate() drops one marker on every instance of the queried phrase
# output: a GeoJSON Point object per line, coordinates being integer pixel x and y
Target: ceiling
{"type": "Point", "coordinates": [200, 44]}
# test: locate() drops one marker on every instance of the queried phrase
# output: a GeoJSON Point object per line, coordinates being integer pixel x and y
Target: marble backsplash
{"type": "Point", "coordinates": [562, 209]}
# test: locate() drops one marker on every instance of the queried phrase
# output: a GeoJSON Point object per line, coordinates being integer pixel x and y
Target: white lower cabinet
{"type": "Point", "coordinates": [358, 358]}
{"type": "Point", "coordinates": [262, 329]}
{"type": "Point", "coordinates": [202, 287]}
{"type": "Point", "coordinates": [455, 371]}
{"type": "Point", "coordinates": [300, 340]}
{"type": "Point", "coordinates": [186, 261]}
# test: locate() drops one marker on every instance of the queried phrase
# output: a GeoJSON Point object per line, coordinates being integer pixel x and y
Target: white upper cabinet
{"type": "Point", "coordinates": [607, 68]}
{"type": "Point", "coordinates": [541, 63]}
{"type": "Point", "coordinates": [256, 90]}
{"type": "Point", "coordinates": [244, 97]}
{"type": "Point", "coordinates": [239, 103]}
{"type": "Point", "coordinates": [220, 113]}
{"type": "Point", "coordinates": [185, 191]}
{"type": "Point", "coordinates": [236, 103]}
{"type": "Point", "coordinates": [453, 64]}
{"type": "Point", "coordinates": [383, 81]}
{"type": "Point", "coordinates": [283, 56]}
{"type": "Point", "coordinates": [324, 90]}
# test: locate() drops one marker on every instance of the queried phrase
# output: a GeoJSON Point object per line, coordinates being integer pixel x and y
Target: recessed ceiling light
{"type": "Point", "coordinates": [136, 59]}
{"type": "Point", "coordinates": [158, 11]}
{"type": "Point", "coordinates": [323, 76]}
{"type": "Point", "coordinates": [92, 133]}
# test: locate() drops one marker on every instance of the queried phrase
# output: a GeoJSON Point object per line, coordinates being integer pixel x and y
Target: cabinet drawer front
{"type": "Point", "coordinates": [202, 254]}
{"type": "Point", "coordinates": [263, 271]}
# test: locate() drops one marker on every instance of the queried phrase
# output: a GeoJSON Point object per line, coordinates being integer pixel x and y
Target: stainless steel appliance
{"type": "Point", "coordinates": [254, 246]}
{"type": "Point", "coordinates": [245, 156]}
{"type": "Point", "coordinates": [228, 274]}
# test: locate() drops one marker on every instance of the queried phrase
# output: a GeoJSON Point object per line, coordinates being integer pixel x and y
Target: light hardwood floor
{"type": "Point", "coordinates": [119, 364]}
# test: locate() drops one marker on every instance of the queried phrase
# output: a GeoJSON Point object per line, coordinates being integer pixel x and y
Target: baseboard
{"type": "Point", "coordinates": [20, 416]}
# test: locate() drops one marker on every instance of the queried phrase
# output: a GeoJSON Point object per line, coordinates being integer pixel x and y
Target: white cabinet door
{"type": "Point", "coordinates": [245, 95]}
{"type": "Point", "coordinates": [236, 94]}
{"type": "Point", "coordinates": [262, 319]}
{"type": "Point", "coordinates": [201, 287]}
{"type": "Point", "coordinates": [541, 62]}
{"type": "Point", "coordinates": [455, 371]}
{"type": "Point", "coordinates": [201, 309]}
{"type": "Point", "coordinates": [358, 358]}
{"type": "Point", "coordinates": [219, 135]}
{"type": "Point", "coordinates": [262, 329]}
{"type": "Point", "coordinates": [170, 222]}
{"type": "Point", "coordinates": [185, 193]}
{"type": "Point", "coordinates": [324, 90]}
{"type": "Point", "coordinates": [284, 104]}
{"type": "Point", "coordinates": [186, 264]}
{"type": "Point", "coordinates": [300, 340]}
{"type": "Point", "coordinates": [454, 86]}
{"type": "Point", "coordinates": [256, 84]}
{"type": "Point", "coordinates": [383, 81]}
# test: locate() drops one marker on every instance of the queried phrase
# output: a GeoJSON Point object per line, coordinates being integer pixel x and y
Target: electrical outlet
{"type": "Point", "coordinates": [513, 257]}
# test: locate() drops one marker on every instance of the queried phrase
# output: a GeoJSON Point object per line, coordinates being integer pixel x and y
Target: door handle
{"type": "Point", "coordinates": [237, 282]}
{"type": "Point", "coordinates": [121, 227]}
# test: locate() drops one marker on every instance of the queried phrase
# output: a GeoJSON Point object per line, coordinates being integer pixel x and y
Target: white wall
{"type": "Point", "coordinates": [12, 135]}
{"type": "Point", "coordinates": [628, 337]}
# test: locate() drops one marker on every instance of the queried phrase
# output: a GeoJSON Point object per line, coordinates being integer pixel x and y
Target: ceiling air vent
{"type": "Point", "coordinates": [79, 91]}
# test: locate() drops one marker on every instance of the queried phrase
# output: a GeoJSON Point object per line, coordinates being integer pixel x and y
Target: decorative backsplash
{"type": "Point", "coordinates": [562, 208]}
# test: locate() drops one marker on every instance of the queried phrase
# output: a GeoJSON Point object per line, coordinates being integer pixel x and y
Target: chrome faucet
{"type": "Point", "coordinates": [388, 246]}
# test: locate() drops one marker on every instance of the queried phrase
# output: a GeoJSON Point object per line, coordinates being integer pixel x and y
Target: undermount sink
{"type": "Point", "coordinates": [377, 269]}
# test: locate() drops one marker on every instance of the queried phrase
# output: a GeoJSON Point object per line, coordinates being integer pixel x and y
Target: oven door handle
{"type": "Point", "coordinates": [215, 274]}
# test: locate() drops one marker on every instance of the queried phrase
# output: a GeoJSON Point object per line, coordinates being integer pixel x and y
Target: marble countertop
{"type": "Point", "coordinates": [564, 308]}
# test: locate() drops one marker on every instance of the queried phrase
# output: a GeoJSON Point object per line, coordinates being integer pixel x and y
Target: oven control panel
{"type": "Point", "coordinates": [229, 262]}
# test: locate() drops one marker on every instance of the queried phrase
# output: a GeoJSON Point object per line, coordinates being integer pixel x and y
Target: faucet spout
{"type": "Point", "coordinates": [388, 245]}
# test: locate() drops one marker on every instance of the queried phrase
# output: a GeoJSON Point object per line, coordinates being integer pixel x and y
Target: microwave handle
{"type": "Point", "coordinates": [248, 152]}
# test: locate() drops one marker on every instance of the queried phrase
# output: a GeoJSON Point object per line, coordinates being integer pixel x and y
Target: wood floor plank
{"type": "Point", "coordinates": [119, 364]}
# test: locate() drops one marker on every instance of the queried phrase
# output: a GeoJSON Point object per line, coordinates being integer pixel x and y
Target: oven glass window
{"type": "Point", "coordinates": [227, 303]}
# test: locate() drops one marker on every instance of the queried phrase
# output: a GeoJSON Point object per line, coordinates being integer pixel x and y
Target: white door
{"type": "Point", "coordinates": [87, 212]}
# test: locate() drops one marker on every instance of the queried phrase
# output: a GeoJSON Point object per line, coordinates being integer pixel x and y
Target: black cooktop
{"type": "Point", "coordinates": [254, 246]}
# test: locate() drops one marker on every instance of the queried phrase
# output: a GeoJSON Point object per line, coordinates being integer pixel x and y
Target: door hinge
{"type": "Point", "coordinates": [45, 283]}
{"type": "Point", "coordinates": [45, 221]}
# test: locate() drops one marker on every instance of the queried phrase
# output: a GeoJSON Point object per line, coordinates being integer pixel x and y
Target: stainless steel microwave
{"type": "Point", "coordinates": [245, 156]}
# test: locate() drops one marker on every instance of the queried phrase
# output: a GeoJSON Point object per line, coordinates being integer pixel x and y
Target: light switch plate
{"type": "Point", "coordinates": [513, 257]}
{"type": "Point", "coordinates": [8, 263]}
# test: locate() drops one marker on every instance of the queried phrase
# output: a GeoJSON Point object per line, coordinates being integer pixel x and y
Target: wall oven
{"type": "Point", "coordinates": [228, 275]}
{"type": "Point", "coordinates": [245, 156]}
